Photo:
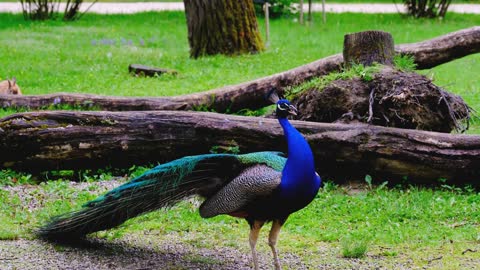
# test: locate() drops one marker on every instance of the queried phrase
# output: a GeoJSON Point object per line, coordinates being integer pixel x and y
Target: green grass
{"type": "Point", "coordinates": [48, 57]}
{"type": "Point", "coordinates": [354, 248]}
{"type": "Point", "coordinates": [411, 223]}
{"type": "Point", "coordinates": [356, 71]}
{"type": "Point", "coordinates": [392, 223]}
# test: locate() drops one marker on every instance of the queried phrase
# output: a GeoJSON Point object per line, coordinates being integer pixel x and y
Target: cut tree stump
{"type": "Point", "coordinates": [141, 70]}
{"type": "Point", "coordinates": [368, 47]}
{"type": "Point", "coordinates": [250, 95]}
{"type": "Point", "coordinates": [60, 140]}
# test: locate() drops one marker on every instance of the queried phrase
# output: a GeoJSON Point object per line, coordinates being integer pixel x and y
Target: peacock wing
{"type": "Point", "coordinates": [252, 183]}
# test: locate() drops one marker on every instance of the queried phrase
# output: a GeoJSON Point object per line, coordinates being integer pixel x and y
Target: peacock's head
{"type": "Point", "coordinates": [284, 108]}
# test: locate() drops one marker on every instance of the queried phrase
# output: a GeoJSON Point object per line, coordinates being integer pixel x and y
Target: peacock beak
{"type": "Point", "coordinates": [292, 110]}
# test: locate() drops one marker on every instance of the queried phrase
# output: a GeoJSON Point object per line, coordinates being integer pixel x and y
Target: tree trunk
{"type": "Point", "coordinates": [368, 47]}
{"type": "Point", "coordinates": [222, 27]}
{"type": "Point", "coordinates": [43, 141]}
{"type": "Point", "coordinates": [250, 95]}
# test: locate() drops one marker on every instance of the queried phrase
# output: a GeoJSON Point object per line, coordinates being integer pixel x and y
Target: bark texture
{"type": "Point", "coordinates": [368, 47]}
{"type": "Point", "coordinates": [72, 140]}
{"type": "Point", "coordinates": [222, 27]}
{"type": "Point", "coordinates": [250, 95]}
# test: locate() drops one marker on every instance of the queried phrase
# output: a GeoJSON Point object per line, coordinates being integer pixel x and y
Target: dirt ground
{"type": "Point", "coordinates": [35, 254]}
{"type": "Point", "coordinates": [139, 253]}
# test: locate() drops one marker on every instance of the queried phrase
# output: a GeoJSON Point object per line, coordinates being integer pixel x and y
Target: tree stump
{"type": "Point", "coordinates": [368, 47]}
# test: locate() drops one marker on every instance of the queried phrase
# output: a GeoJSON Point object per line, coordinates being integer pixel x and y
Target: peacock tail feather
{"type": "Point", "coordinates": [159, 187]}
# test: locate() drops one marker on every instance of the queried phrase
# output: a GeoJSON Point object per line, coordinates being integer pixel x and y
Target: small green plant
{"type": "Point", "coordinates": [368, 180]}
{"type": "Point", "coordinates": [404, 62]}
{"type": "Point", "coordinates": [136, 171]}
{"type": "Point", "coordinates": [354, 248]}
{"type": "Point", "coordinates": [217, 149]}
{"type": "Point", "coordinates": [389, 253]}
{"type": "Point", "coordinates": [260, 112]}
{"type": "Point", "coordinates": [329, 186]}
{"type": "Point", "coordinates": [11, 178]}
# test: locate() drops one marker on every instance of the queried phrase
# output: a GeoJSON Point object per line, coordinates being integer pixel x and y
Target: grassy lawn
{"type": "Point", "coordinates": [92, 55]}
{"type": "Point", "coordinates": [399, 226]}
{"type": "Point", "coordinates": [406, 226]}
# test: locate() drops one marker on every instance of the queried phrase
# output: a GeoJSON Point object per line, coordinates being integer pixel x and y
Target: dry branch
{"type": "Point", "coordinates": [73, 140]}
{"type": "Point", "coordinates": [142, 70]}
{"type": "Point", "coordinates": [250, 95]}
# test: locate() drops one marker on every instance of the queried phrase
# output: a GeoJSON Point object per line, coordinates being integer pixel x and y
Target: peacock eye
{"type": "Point", "coordinates": [282, 106]}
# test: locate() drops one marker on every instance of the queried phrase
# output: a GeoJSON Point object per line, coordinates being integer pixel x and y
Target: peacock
{"type": "Point", "coordinates": [259, 187]}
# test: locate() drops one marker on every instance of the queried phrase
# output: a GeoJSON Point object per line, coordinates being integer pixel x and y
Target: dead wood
{"type": "Point", "coordinates": [43, 141]}
{"type": "Point", "coordinates": [250, 95]}
{"type": "Point", "coordinates": [142, 70]}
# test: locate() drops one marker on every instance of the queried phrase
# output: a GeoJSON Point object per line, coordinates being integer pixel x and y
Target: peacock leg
{"type": "Point", "coordinates": [272, 241]}
{"type": "Point", "coordinates": [255, 227]}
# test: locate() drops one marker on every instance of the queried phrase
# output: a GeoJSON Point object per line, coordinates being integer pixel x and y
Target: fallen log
{"type": "Point", "coordinates": [250, 95]}
{"type": "Point", "coordinates": [146, 71]}
{"type": "Point", "coordinates": [433, 52]}
{"type": "Point", "coordinates": [42, 141]}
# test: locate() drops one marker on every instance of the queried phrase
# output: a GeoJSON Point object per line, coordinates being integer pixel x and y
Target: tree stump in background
{"type": "Point", "coordinates": [368, 47]}
{"type": "Point", "coordinates": [389, 97]}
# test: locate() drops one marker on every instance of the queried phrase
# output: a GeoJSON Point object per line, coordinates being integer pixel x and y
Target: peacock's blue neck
{"type": "Point", "coordinates": [298, 175]}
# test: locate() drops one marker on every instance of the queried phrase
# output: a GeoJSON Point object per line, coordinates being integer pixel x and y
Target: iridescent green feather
{"type": "Point", "coordinates": [159, 187]}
